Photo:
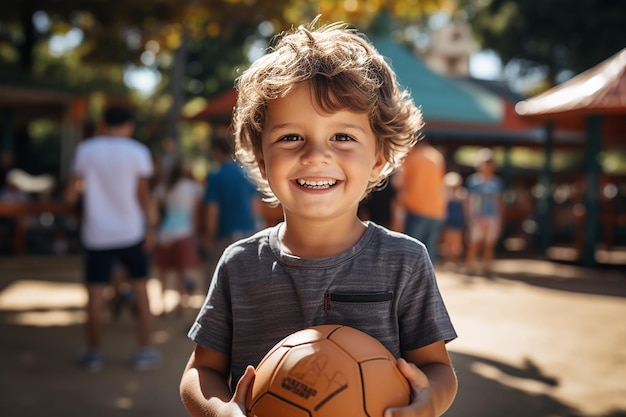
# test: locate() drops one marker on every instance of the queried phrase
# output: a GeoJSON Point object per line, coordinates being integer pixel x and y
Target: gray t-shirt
{"type": "Point", "coordinates": [384, 286]}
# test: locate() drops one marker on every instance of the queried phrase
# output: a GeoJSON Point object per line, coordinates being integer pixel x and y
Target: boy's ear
{"type": "Point", "coordinates": [379, 164]}
{"type": "Point", "coordinates": [260, 161]}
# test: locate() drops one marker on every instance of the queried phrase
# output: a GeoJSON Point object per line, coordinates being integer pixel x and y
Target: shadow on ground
{"type": "Point", "coordinates": [487, 388]}
{"type": "Point", "coordinates": [563, 276]}
{"type": "Point", "coordinates": [40, 377]}
{"type": "Point", "coordinates": [482, 394]}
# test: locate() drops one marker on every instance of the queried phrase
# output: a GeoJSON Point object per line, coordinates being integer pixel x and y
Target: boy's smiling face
{"type": "Point", "coordinates": [317, 164]}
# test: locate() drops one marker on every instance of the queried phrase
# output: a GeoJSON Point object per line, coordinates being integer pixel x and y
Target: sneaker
{"type": "Point", "coordinates": [146, 359]}
{"type": "Point", "coordinates": [92, 361]}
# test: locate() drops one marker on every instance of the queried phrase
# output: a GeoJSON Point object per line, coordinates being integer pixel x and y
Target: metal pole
{"type": "Point", "coordinates": [592, 189]}
{"type": "Point", "coordinates": [544, 203]}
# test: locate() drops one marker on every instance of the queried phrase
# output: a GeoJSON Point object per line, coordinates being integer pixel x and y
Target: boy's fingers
{"type": "Point", "coordinates": [243, 386]}
{"type": "Point", "coordinates": [412, 373]}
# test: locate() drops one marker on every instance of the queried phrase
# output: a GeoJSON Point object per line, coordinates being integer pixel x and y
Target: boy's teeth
{"type": "Point", "coordinates": [317, 184]}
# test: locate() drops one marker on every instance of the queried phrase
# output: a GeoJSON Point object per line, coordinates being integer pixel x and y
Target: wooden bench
{"type": "Point", "coordinates": [21, 211]}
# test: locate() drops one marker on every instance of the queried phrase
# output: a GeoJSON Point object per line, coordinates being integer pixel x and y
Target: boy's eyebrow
{"type": "Point", "coordinates": [279, 126]}
{"type": "Point", "coordinates": [286, 125]}
{"type": "Point", "coordinates": [354, 126]}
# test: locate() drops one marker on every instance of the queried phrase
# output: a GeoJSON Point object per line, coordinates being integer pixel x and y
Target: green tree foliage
{"type": "Point", "coordinates": [106, 35]}
{"type": "Point", "coordinates": [552, 35]}
{"type": "Point", "coordinates": [197, 46]}
{"type": "Point", "coordinates": [115, 33]}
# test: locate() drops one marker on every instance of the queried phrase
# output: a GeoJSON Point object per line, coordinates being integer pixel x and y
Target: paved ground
{"type": "Point", "coordinates": [538, 339]}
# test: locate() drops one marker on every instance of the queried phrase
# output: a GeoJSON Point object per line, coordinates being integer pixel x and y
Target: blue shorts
{"type": "Point", "coordinates": [99, 264]}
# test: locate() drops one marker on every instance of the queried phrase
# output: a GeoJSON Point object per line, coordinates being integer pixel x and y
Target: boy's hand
{"type": "Point", "coordinates": [241, 392]}
{"type": "Point", "coordinates": [421, 397]}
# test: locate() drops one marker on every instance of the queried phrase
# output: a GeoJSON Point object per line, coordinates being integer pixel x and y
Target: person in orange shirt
{"type": "Point", "coordinates": [424, 195]}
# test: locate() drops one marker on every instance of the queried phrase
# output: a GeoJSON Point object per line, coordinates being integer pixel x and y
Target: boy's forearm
{"type": "Point", "coordinates": [203, 392]}
{"type": "Point", "coordinates": [443, 383]}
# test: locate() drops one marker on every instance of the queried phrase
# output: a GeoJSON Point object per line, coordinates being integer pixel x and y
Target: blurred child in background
{"type": "Point", "coordinates": [484, 212]}
{"type": "Point", "coordinates": [179, 197]}
{"type": "Point", "coordinates": [454, 225]}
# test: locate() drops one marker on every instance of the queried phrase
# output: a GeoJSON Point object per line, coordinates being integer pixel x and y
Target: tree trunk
{"type": "Point", "coordinates": [26, 48]}
{"type": "Point", "coordinates": [176, 86]}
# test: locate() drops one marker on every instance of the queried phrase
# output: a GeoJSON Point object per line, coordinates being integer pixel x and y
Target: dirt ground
{"type": "Point", "coordinates": [537, 339]}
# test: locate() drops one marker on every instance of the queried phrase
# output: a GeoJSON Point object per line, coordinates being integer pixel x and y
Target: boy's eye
{"type": "Point", "coordinates": [290, 138]}
{"type": "Point", "coordinates": [342, 137]}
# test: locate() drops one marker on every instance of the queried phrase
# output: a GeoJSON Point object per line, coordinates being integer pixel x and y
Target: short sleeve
{"type": "Point", "coordinates": [146, 168]}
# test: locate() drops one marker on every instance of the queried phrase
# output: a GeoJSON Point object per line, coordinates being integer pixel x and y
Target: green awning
{"type": "Point", "coordinates": [440, 98]}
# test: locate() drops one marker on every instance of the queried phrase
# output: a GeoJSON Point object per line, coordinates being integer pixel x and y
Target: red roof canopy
{"type": "Point", "coordinates": [219, 108]}
{"type": "Point", "coordinates": [600, 90]}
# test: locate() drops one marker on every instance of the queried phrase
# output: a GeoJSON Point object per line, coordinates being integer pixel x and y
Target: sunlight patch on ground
{"type": "Point", "coordinates": [32, 294]}
{"type": "Point", "coordinates": [167, 302]}
{"type": "Point", "coordinates": [124, 403]}
{"type": "Point", "coordinates": [161, 301]}
{"type": "Point", "coordinates": [616, 256]}
{"type": "Point", "coordinates": [46, 318]}
{"type": "Point", "coordinates": [44, 303]}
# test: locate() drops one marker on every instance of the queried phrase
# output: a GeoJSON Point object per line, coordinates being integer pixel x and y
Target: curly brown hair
{"type": "Point", "coordinates": [344, 72]}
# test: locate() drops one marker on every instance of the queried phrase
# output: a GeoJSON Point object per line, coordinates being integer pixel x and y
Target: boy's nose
{"type": "Point", "coordinates": [315, 153]}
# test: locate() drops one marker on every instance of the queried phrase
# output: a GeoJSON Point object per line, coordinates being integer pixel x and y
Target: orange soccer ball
{"type": "Point", "coordinates": [327, 371]}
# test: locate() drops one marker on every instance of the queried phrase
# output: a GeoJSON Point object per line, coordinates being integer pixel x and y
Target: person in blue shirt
{"type": "Point", "coordinates": [484, 212]}
{"type": "Point", "coordinates": [229, 201]}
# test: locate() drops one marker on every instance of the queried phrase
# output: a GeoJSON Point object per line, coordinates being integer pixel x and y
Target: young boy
{"type": "Point", "coordinates": [320, 122]}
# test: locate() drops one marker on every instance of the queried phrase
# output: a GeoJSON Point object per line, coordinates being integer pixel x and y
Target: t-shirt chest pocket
{"type": "Point", "coordinates": [357, 302]}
